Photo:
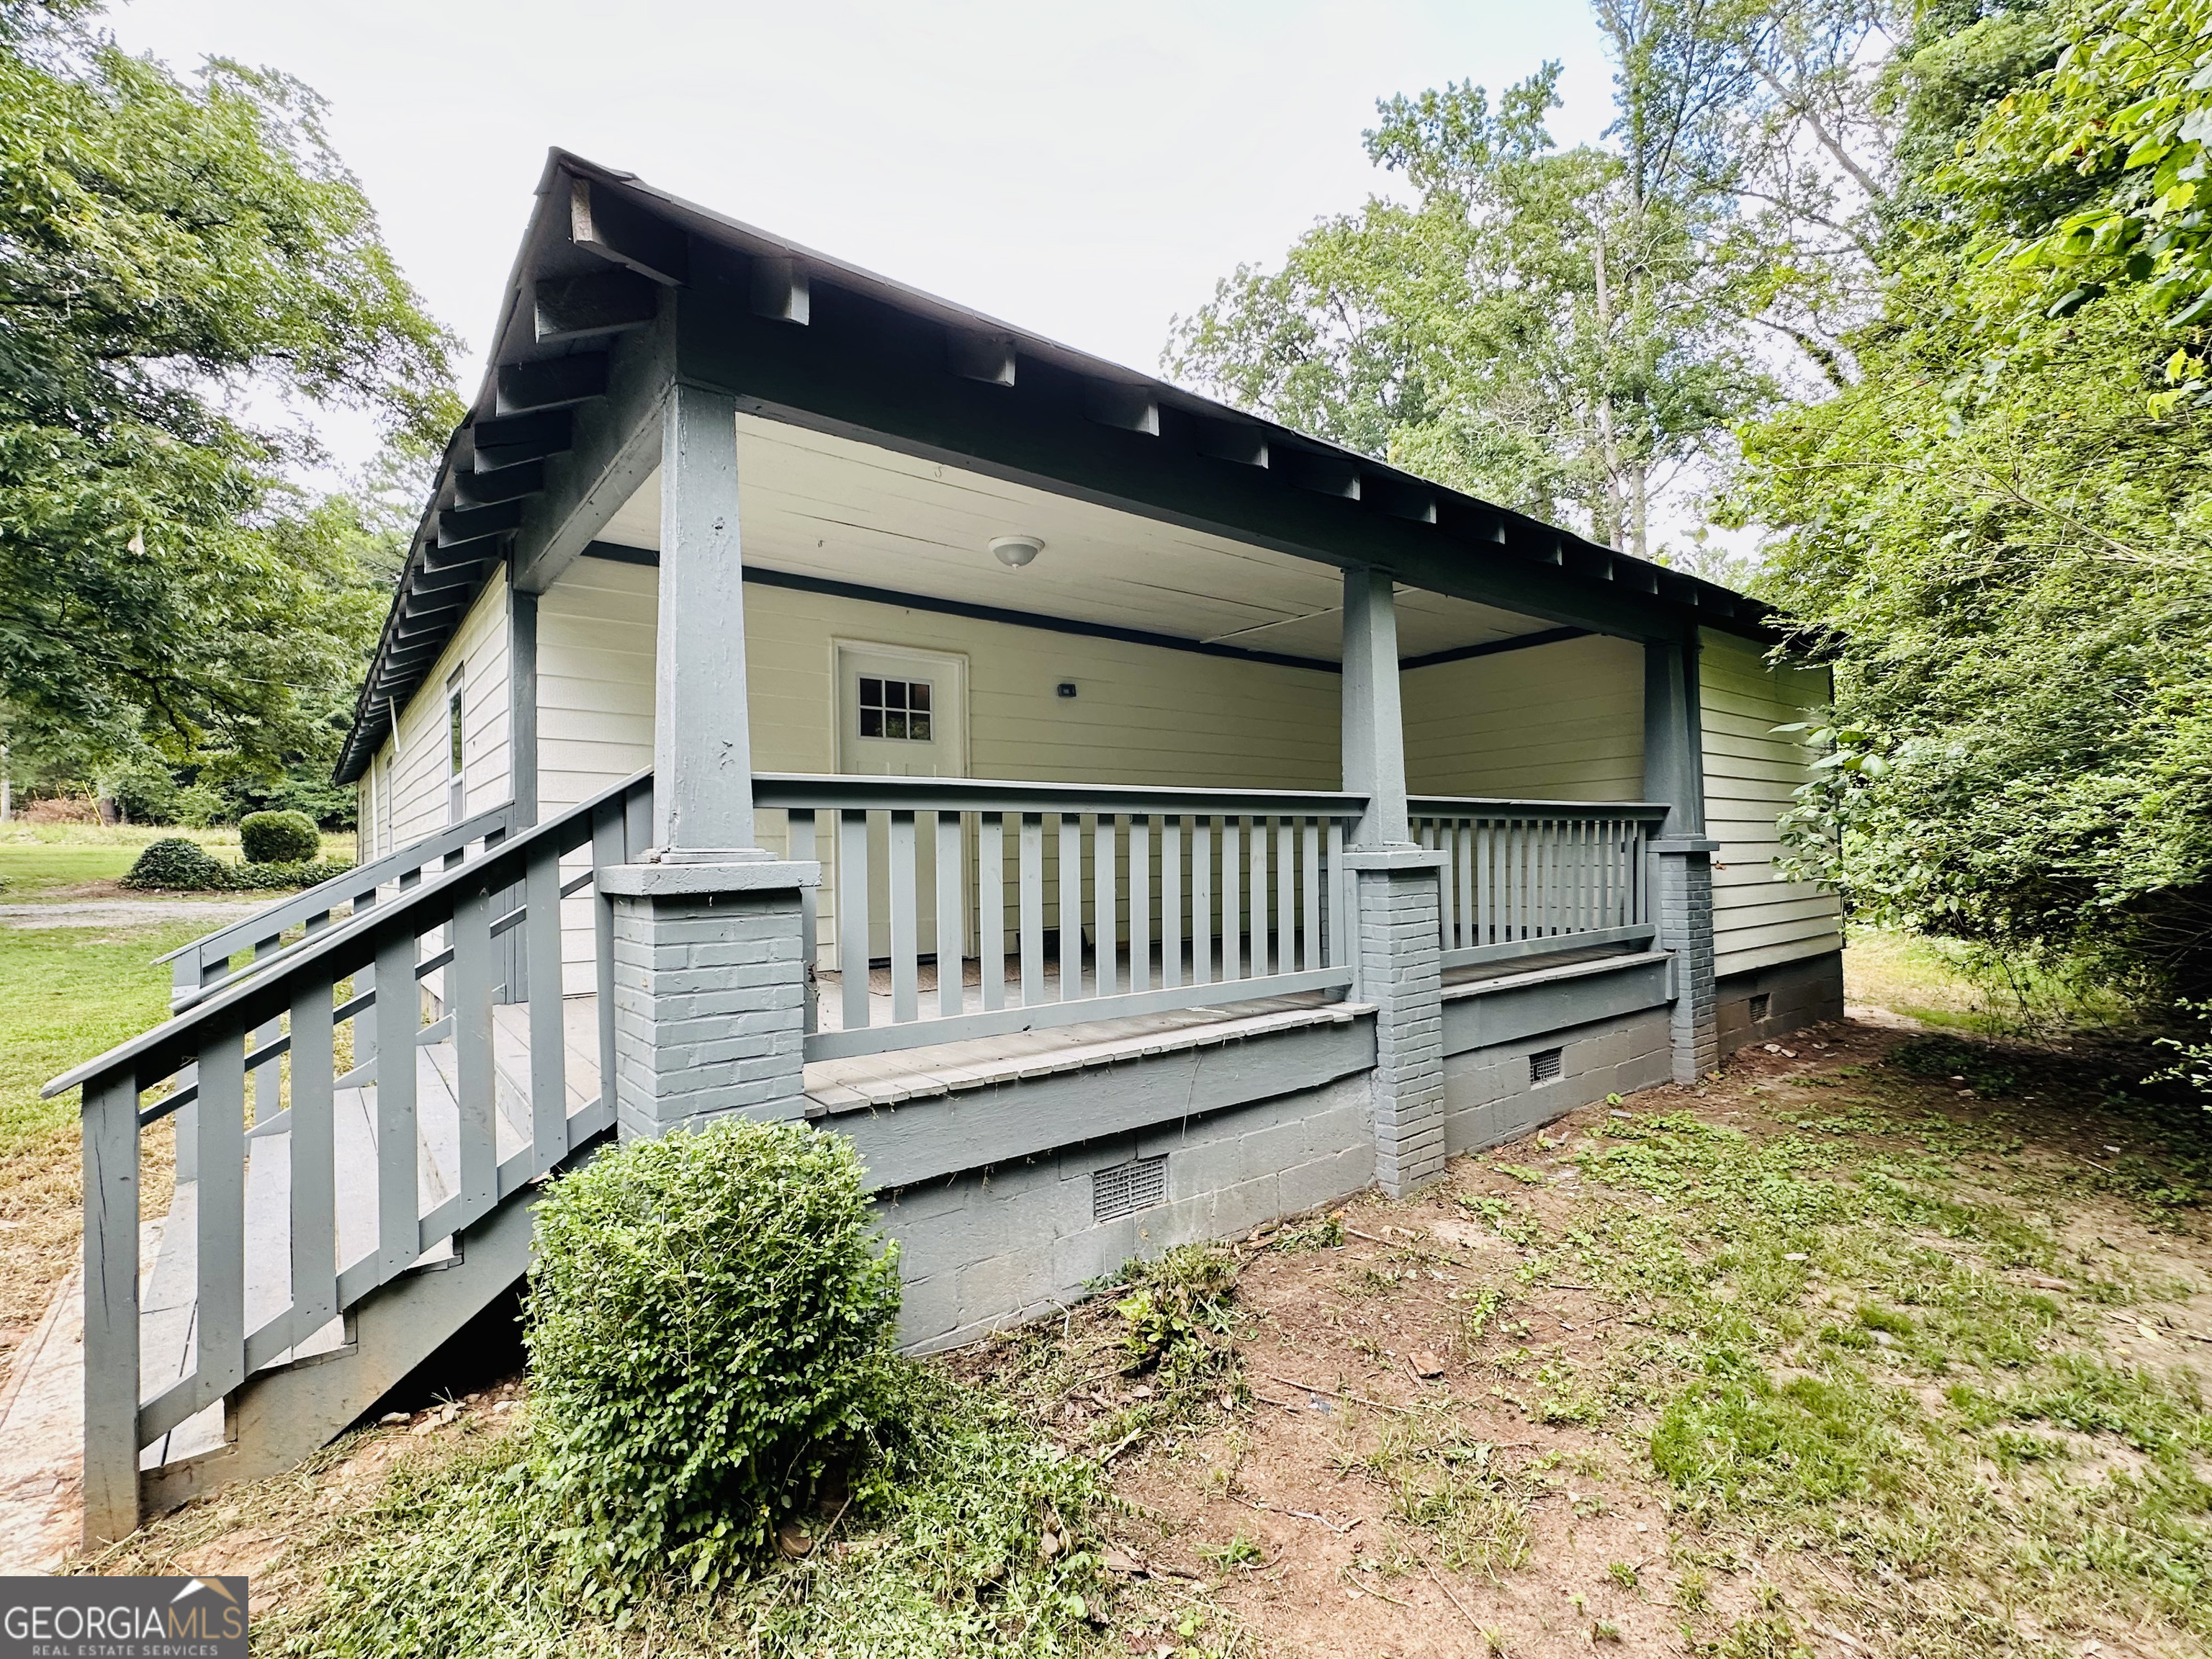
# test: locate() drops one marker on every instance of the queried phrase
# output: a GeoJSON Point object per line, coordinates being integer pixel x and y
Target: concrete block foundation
{"type": "Point", "coordinates": [991, 1247]}
{"type": "Point", "coordinates": [1796, 994]}
{"type": "Point", "coordinates": [1493, 1095]}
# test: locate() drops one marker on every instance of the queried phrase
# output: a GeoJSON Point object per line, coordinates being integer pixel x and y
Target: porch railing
{"type": "Point", "coordinates": [1072, 903]}
{"type": "Point", "coordinates": [1523, 878]}
{"type": "Point", "coordinates": [357, 1207]}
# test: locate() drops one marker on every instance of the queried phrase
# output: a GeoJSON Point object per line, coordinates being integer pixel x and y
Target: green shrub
{"type": "Point", "coordinates": [259, 877]}
{"type": "Point", "coordinates": [178, 865]}
{"type": "Point", "coordinates": [278, 837]}
{"type": "Point", "coordinates": [710, 1323]}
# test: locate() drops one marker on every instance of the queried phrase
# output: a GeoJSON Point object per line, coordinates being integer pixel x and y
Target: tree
{"type": "Point", "coordinates": [172, 250]}
{"type": "Point", "coordinates": [1541, 327]}
{"type": "Point", "coordinates": [2001, 535]}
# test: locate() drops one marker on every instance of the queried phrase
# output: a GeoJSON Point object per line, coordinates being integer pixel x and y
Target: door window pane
{"type": "Point", "coordinates": [897, 710]}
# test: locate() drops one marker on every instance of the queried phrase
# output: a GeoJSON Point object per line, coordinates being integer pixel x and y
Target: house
{"type": "Point", "coordinates": [1126, 819]}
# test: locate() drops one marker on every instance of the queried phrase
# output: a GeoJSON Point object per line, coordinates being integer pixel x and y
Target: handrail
{"type": "Point", "coordinates": [1483, 806]}
{"type": "Point", "coordinates": [831, 790]}
{"type": "Point", "coordinates": [313, 907]}
{"type": "Point", "coordinates": [264, 994]}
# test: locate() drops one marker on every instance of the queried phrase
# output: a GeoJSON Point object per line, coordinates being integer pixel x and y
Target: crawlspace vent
{"type": "Point", "coordinates": [1762, 1003]}
{"type": "Point", "coordinates": [1126, 1188]}
{"type": "Point", "coordinates": [1543, 1065]}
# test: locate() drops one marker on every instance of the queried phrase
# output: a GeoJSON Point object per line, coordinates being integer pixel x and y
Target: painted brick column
{"type": "Point", "coordinates": [1684, 898]}
{"type": "Point", "coordinates": [1682, 857]}
{"type": "Point", "coordinates": [1398, 940]}
{"type": "Point", "coordinates": [710, 989]}
{"type": "Point", "coordinates": [1400, 962]}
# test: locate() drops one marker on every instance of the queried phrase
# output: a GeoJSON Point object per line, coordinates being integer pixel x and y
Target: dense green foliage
{"type": "Point", "coordinates": [278, 837]}
{"type": "Point", "coordinates": [711, 1317]}
{"type": "Point", "coordinates": [2001, 535]}
{"type": "Point", "coordinates": [176, 865]}
{"type": "Point", "coordinates": [176, 250]}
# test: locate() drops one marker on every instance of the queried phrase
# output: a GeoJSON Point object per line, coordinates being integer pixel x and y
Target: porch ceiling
{"type": "Point", "coordinates": [822, 506]}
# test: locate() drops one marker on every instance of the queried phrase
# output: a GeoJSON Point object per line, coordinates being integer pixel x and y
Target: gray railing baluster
{"type": "Point", "coordinates": [951, 915]}
{"type": "Point", "coordinates": [476, 1081]}
{"type": "Point", "coordinates": [1201, 901]}
{"type": "Point", "coordinates": [905, 937]}
{"type": "Point", "coordinates": [1171, 901]}
{"type": "Point", "coordinates": [1257, 958]}
{"type": "Point", "coordinates": [314, 1243]}
{"type": "Point", "coordinates": [1141, 902]}
{"type": "Point", "coordinates": [1071, 907]}
{"type": "Point", "coordinates": [109, 1124]}
{"type": "Point", "coordinates": [798, 839]}
{"type": "Point", "coordinates": [397, 1206]}
{"type": "Point", "coordinates": [1340, 891]}
{"type": "Point", "coordinates": [1105, 914]}
{"type": "Point", "coordinates": [853, 916]}
{"type": "Point", "coordinates": [1310, 956]}
{"type": "Point", "coordinates": [219, 1316]}
{"type": "Point", "coordinates": [991, 907]}
{"type": "Point", "coordinates": [1232, 898]}
{"type": "Point", "coordinates": [1286, 898]}
{"type": "Point", "coordinates": [607, 850]}
{"type": "Point", "coordinates": [1032, 909]}
{"type": "Point", "coordinates": [549, 1053]}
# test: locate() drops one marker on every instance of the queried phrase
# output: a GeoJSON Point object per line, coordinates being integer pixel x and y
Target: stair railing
{"type": "Point", "coordinates": [312, 1000]}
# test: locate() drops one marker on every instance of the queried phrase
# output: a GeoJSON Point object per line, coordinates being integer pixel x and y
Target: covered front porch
{"type": "Point", "coordinates": [1124, 820]}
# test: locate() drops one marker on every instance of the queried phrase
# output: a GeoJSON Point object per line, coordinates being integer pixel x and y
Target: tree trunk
{"type": "Point", "coordinates": [1609, 444]}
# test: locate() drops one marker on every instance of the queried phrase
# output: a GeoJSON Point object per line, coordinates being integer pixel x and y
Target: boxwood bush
{"type": "Point", "coordinates": [177, 864]}
{"type": "Point", "coordinates": [710, 1322]}
{"type": "Point", "coordinates": [278, 838]}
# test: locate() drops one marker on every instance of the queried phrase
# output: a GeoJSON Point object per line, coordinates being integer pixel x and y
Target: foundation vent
{"type": "Point", "coordinates": [1544, 1065]}
{"type": "Point", "coordinates": [1762, 1003]}
{"type": "Point", "coordinates": [1126, 1188]}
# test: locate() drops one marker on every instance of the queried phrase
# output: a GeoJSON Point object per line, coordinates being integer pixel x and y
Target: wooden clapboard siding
{"type": "Point", "coordinates": [479, 650]}
{"type": "Point", "coordinates": [1750, 771]}
{"type": "Point", "coordinates": [1141, 714]}
{"type": "Point", "coordinates": [1552, 722]}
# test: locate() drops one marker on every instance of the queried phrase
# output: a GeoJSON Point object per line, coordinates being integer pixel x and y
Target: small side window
{"type": "Point", "coordinates": [457, 794]}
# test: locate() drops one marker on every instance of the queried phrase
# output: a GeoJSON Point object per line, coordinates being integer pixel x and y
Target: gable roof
{"type": "Point", "coordinates": [604, 248]}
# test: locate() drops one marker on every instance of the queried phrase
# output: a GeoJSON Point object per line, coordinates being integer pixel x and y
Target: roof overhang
{"type": "Point", "coordinates": [619, 286]}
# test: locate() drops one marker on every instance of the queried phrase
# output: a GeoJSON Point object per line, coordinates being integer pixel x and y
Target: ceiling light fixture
{"type": "Point", "coordinates": [1015, 551]}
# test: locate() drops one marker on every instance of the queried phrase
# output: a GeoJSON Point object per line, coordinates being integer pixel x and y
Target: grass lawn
{"type": "Point", "coordinates": [66, 994]}
{"type": "Point", "coordinates": [39, 860]}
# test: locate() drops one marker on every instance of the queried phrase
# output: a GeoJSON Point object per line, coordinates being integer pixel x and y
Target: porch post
{"type": "Point", "coordinates": [1682, 888]}
{"type": "Point", "coordinates": [1398, 951]}
{"type": "Point", "coordinates": [709, 965]}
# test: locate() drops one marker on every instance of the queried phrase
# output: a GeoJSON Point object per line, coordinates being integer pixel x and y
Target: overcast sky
{"type": "Point", "coordinates": [1086, 171]}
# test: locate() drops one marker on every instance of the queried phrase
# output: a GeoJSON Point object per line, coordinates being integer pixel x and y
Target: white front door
{"type": "Point", "coordinates": [902, 714]}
